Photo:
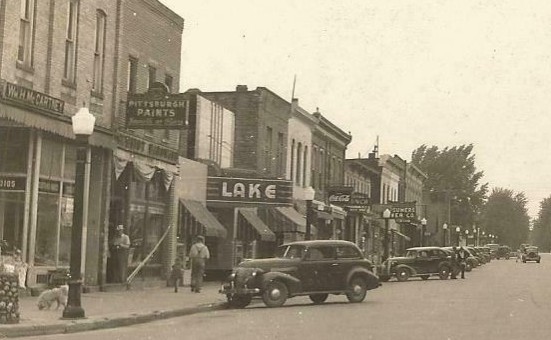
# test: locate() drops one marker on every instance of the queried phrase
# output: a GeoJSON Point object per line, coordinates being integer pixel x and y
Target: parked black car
{"type": "Point", "coordinates": [503, 252]}
{"type": "Point", "coordinates": [419, 261]}
{"type": "Point", "coordinates": [313, 268]}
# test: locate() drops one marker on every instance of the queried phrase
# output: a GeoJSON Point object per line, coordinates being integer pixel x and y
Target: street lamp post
{"type": "Point", "coordinates": [309, 194]}
{"type": "Point", "coordinates": [444, 232]}
{"type": "Point", "coordinates": [457, 231]}
{"type": "Point", "coordinates": [466, 237]}
{"type": "Point", "coordinates": [423, 227]}
{"type": "Point", "coordinates": [83, 126]}
{"type": "Point", "coordinates": [386, 216]}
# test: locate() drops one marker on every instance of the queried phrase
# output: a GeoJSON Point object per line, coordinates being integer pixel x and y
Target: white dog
{"type": "Point", "coordinates": [49, 296]}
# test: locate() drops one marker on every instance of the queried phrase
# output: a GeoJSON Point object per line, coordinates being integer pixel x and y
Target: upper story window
{"type": "Point", "coordinates": [69, 71]}
{"type": "Point", "coordinates": [99, 51]}
{"type": "Point", "coordinates": [132, 75]}
{"type": "Point", "coordinates": [152, 76]}
{"type": "Point", "coordinates": [26, 33]}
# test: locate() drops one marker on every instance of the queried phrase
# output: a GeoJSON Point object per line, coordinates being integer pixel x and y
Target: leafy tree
{"type": "Point", "coordinates": [453, 180]}
{"type": "Point", "coordinates": [505, 215]}
{"type": "Point", "coordinates": [542, 225]}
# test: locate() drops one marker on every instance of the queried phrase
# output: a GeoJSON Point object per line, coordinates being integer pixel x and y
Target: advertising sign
{"type": "Point", "coordinates": [339, 195]}
{"type": "Point", "coordinates": [403, 212]}
{"type": "Point", "coordinates": [249, 191]}
{"type": "Point", "coordinates": [156, 109]}
{"type": "Point", "coordinates": [23, 96]}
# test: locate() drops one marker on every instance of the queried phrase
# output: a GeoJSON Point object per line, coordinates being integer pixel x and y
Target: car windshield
{"type": "Point", "coordinates": [290, 251]}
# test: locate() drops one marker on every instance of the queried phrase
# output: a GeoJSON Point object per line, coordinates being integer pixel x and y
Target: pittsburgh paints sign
{"type": "Point", "coordinates": [144, 113]}
{"type": "Point", "coordinates": [249, 191]}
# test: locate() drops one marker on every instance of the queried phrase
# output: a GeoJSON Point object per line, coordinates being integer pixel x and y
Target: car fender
{"type": "Point", "coordinates": [292, 283]}
{"type": "Point", "coordinates": [400, 266]}
{"type": "Point", "coordinates": [372, 280]}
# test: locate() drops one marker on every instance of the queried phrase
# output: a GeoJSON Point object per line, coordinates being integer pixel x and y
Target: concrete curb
{"type": "Point", "coordinates": [74, 326]}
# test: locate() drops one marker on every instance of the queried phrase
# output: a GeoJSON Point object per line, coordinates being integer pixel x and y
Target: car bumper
{"type": "Point", "coordinates": [238, 291]}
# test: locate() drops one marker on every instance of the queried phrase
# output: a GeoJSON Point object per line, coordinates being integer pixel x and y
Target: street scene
{"type": "Point", "coordinates": [298, 169]}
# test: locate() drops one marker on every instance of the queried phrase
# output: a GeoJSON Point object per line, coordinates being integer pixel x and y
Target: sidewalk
{"type": "Point", "coordinates": [116, 309]}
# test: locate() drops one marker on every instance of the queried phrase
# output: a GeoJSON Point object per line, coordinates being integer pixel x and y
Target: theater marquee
{"type": "Point", "coordinates": [250, 191]}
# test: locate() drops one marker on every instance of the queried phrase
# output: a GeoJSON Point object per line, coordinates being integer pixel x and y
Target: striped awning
{"type": "Point", "coordinates": [261, 228]}
{"type": "Point", "coordinates": [212, 227]}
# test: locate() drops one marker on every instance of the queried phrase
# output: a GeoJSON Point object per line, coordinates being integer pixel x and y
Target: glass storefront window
{"type": "Point", "coordinates": [46, 230]}
{"type": "Point", "coordinates": [12, 207]}
{"type": "Point", "coordinates": [13, 150]}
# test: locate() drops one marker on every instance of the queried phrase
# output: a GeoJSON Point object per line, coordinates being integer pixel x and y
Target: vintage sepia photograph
{"type": "Point", "coordinates": [290, 169]}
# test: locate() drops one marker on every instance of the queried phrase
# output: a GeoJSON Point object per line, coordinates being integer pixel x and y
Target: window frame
{"type": "Point", "coordinates": [99, 52]}
{"type": "Point", "coordinates": [71, 41]}
{"type": "Point", "coordinates": [25, 49]}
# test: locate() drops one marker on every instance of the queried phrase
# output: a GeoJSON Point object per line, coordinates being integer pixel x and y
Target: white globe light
{"type": "Point", "coordinates": [83, 122]}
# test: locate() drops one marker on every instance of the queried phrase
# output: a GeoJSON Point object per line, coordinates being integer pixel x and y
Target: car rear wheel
{"type": "Point", "coordinates": [239, 301]}
{"type": "Point", "coordinates": [444, 273]}
{"type": "Point", "coordinates": [275, 294]}
{"type": "Point", "coordinates": [357, 289]}
{"type": "Point", "coordinates": [318, 298]}
{"type": "Point", "coordinates": [403, 274]}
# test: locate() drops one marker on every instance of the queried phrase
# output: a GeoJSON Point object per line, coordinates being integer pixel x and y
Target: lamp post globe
{"type": "Point", "coordinates": [444, 232]}
{"type": "Point", "coordinates": [423, 227]}
{"type": "Point", "coordinates": [457, 231]}
{"type": "Point", "coordinates": [309, 194]}
{"type": "Point", "coordinates": [83, 126]}
{"type": "Point", "coordinates": [386, 217]}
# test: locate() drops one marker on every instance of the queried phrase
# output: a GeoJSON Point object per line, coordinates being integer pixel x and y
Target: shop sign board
{"type": "Point", "coordinates": [11, 183]}
{"type": "Point", "coordinates": [403, 212]}
{"type": "Point", "coordinates": [26, 97]}
{"type": "Point", "coordinates": [339, 195]}
{"type": "Point", "coordinates": [249, 191]}
{"type": "Point", "coordinates": [156, 109]}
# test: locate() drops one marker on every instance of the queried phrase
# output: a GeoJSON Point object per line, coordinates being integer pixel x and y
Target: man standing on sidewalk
{"type": "Point", "coordinates": [199, 254]}
{"type": "Point", "coordinates": [462, 256]}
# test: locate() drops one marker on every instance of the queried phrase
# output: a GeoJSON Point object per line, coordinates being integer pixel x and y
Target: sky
{"type": "Point", "coordinates": [438, 72]}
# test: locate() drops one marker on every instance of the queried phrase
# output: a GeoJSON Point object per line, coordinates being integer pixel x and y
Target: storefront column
{"type": "Point", "coordinates": [34, 198]}
{"type": "Point", "coordinates": [28, 186]}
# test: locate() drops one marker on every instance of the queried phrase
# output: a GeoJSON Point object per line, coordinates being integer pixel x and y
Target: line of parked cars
{"type": "Point", "coordinates": [425, 262]}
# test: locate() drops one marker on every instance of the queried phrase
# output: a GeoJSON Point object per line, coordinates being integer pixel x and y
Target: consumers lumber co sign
{"type": "Point", "coordinates": [156, 109]}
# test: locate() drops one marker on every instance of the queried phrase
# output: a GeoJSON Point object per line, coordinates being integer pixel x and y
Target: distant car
{"type": "Point", "coordinates": [420, 262]}
{"type": "Point", "coordinates": [312, 268]}
{"type": "Point", "coordinates": [531, 254]}
{"type": "Point", "coordinates": [493, 249]}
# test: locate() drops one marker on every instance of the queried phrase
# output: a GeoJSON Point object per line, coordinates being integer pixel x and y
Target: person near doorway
{"type": "Point", "coordinates": [119, 254]}
{"type": "Point", "coordinates": [199, 254]}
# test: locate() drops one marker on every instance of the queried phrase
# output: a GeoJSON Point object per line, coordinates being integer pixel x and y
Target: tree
{"type": "Point", "coordinates": [505, 215]}
{"type": "Point", "coordinates": [453, 180]}
{"type": "Point", "coordinates": [542, 225]}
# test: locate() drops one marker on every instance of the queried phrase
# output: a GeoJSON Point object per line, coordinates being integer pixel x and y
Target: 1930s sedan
{"type": "Point", "coordinates": [314, 268]}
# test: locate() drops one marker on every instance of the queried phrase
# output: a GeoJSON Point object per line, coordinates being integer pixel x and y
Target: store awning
{"type": "Point", "coordinates": [290, 220]}
{"type": "Point", "coordinates": [407, 238]}
{"type": "Point", "coordinates": [59, 125]}
{"type": "Point", "coordinates": [210, 224]}
{"type": "Point", "coordinates": [252, 218]}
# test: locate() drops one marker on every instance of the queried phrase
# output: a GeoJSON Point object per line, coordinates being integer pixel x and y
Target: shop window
{"type": "Point", "coordinates": [13, 150]}
{"type": "Point", "coordinates": [46, 231]}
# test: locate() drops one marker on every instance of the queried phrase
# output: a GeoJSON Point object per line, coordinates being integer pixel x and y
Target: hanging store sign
{"type": "Point", "coordinates": [249, 191]}
{"type": "Point", "coordinates": [156, 109]}
{"type": "Point", "coordinates": [339, 195]}
{"type": "Point", "coordinates": [9, 183]}
{"type": "Point", "coordinates": [403, 212]}
{"type": "Point", "coordinates": [23, 96]}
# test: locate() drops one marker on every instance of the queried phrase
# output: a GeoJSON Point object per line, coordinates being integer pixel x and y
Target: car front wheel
{"type": "Point", "coordinates": [275, 294]}
{"type": "Point", "coordinates": [239, 301]}
{"type": "Point", "coordinates": [357, 290]}
{"type": "Point", "coordinates": [402, 274]}
{"type": "Point", "coordinates": [444, 273]}
{"type": "Point", "coordinates": [318, 298]}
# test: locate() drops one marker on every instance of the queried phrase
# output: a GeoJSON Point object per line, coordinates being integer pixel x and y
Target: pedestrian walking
{"type": "Point", "coordinates": [176, 274]}
{"type": "Point", "coordinates": [455, 264]}
{"type": "Point", "coordinates": [119, 253]}
{"type": "Point", "coordinates": [199, 254]}
{"type": "Point", "coordinates": [462, 256]}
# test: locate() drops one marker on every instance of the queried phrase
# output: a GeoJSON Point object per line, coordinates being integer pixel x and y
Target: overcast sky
{"type": "Point", "coordinates": [412, 72]}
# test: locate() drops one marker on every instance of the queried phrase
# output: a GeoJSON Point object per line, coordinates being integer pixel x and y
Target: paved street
{"type": "Point", "coordinates": [501, 300]}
